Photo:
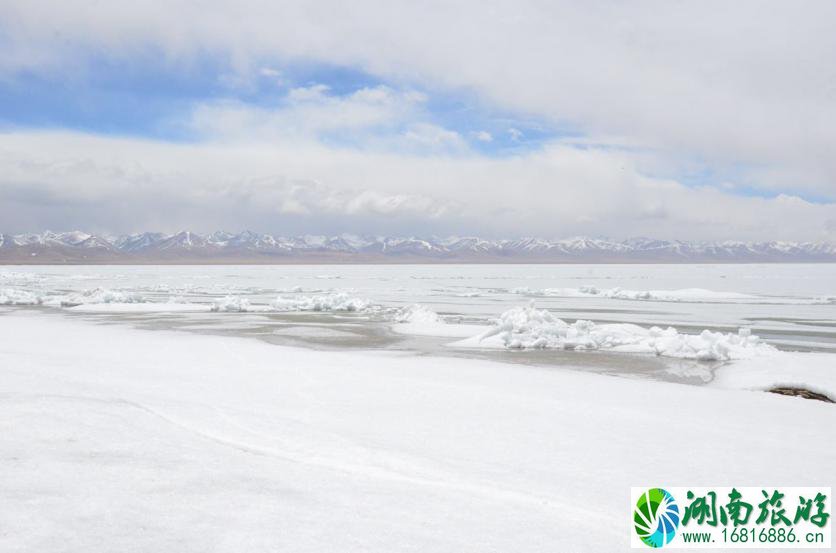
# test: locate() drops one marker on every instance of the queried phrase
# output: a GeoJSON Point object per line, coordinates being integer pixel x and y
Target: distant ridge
{"type": "Point", "coordinates": [249, 247]}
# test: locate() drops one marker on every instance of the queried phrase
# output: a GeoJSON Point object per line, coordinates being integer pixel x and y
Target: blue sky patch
{"type": "Point", "coordinates": [146, 96]}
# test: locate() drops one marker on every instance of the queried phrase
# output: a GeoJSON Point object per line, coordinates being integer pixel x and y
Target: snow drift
{"type": "Point", "coordinates": [419, 320]}
{"type": "Point", "coordinates": [531, 328]}
{"type": "Point", "coordinates": [170, 441]}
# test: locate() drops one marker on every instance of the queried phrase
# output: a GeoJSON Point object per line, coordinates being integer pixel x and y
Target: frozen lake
{"type": "Point", "coordinates": [397, 408]}
{"type": "Point", "coordinates": [791, 307]}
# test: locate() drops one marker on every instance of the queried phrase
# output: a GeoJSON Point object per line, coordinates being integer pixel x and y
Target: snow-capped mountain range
{"type": "Point", "coordinates": [251, 247]}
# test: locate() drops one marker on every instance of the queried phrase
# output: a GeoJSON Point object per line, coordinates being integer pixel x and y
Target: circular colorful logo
{"type": "Point", "coordinates": [656, 517]}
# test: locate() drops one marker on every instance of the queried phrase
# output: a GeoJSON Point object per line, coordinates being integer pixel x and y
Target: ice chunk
{"type": "Point", "coordinates": [233, 304]}
{"type": "Point", "coordinates": [531, 328]}
{"type": "Point", "coordinates": [100, 295]}
{"type": "Point", "coordinates": [10, 296]}
{"type": "Point", "coordinates": [417, 313]}
{"type": "Point", "coordinates": [338, 301]}
{"type": "Point", "coordinates": [693, 295]}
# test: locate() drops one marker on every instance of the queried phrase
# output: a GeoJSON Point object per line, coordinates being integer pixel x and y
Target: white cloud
{"type": "Point", "coordinates": [428, 137]}
{"type": "Point", "coordinates": [746, 89]}
{"type": "Point", "coordinates": [378, 118]}
{"type": "Point", "coordinates": [81, 180]}
{"type": "Point", "coordinates": [747, 82]}
{"type": "Point", "coordinates": [306, 113]}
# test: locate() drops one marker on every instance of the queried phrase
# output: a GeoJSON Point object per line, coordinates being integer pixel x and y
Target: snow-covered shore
{"type": "Point", "coordinates": [161, 441]}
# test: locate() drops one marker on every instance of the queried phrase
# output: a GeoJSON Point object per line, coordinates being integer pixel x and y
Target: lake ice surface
{"type": "Point", "coordinates": [315, 408]}
{"type": "Point", "coordinates": [445, 309]}
{"type": "Point", "coordinates": [791, 306]}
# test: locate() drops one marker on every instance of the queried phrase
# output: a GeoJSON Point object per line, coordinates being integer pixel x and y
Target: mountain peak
{"type": "Point", "coordinates": [252, 247]}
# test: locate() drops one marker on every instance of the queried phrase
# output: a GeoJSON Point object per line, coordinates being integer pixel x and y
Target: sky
{"type": "Point", "coordinates": [677, 120]}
